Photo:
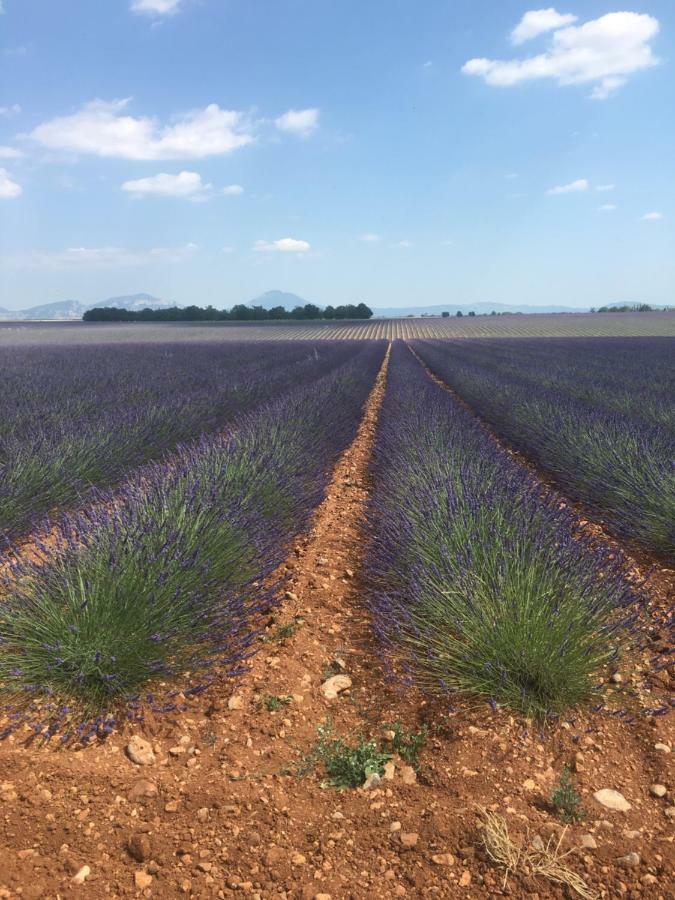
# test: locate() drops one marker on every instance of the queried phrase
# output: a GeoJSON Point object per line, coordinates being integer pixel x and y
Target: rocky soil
{"type": "Point", "coordinates": [229, 797]}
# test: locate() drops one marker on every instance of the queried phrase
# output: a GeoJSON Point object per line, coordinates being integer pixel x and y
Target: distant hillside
{"type": "Point", "coordinates": [482, 308]}
{"type": "Point", "coordinates": [133, 301]}
{"type": "Point", "coordinates": [270, 299]}
{"type": "Point", "coordinates": [62, 309]}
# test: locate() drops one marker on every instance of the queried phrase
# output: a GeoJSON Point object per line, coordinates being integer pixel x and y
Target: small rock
{"type": "Point", "coordinates": [371, 781]}
{"type": "Point", "coordinates": [538, 843]}
{"type": "Point", "coordinates": [629, 861]}
{"type": "Point", "coordinates": [588, 842]}
{"type": "Point", "coordinates": [669, 812]}
{"type": "Point", "coordinates": [177, 751]}
{"type": "Point", "coordinates": [616, 678]}
{"type": "Point", "coordinates": [142, 880]}
{"type": "Point", "coordinates": [142, 788]}
{"type": "Point", "coordinates": [389, 770]}
{"type": "Point", "coordinates": [409, 839]}
{"type": "Point", "coordinates": [395, 826]}
{"type": "Point", "coordinates": [443, 859]}
{"type": "Point", "coordinates": [235, 702]}
{"type": "Point", "coordinates": [140, 751]}
{"type": "Point", "coordinates": [388, 735]}
{"type": "Point", "coordinates": [611, 799]}
{"type": "Point", "coordinates": [171, 806]}
{"type": "Point", "coordinates": [465, 880]}
{"type": "Point", "coordinates": [298, 859]}
{"type": "Point", "coordinates": [649, 879]}
{"type": "Point", "coordinates": [203, 814]}
{"type": "Point", "coordinates": [335, 685]}
{"type": "Point", "coordinates": [349, 573]}
{"type": "Point", "coordinates": [139, 847]}
{"type": "Point", "coordinates": [658, 790]}
{"type": "Point", "coordinates": [662, 748]}
{"type": "Point", "coordinates": [322, 897]}
{"type": "Point", "coordinates": [529, 784]}
{"type": "Point", "coordinates": [408, 775]}
{"type": "Point", "coordinates": [81, 875]}
{"type": "Point", "coordinates": [289, 595]}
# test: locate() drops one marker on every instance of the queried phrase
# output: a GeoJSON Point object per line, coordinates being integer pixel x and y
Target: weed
{"type": "Point", "coordinates": [274, 704]}
{"type": "Point", "coordinates": [408, 743]}
{"type": "Point", "coordinates": [346, 766]}
{"type": "Point", "coordinates": [565, 798]}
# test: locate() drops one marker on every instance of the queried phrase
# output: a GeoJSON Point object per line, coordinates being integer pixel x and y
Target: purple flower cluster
{"type": "Point", "coordinates": [478, 583]}
{"type": "Point", "coordinates": [595, 413]}
{"type": "Point", "coordinates": [165, 575]}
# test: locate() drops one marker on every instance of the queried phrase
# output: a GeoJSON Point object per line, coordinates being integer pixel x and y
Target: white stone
{"type": "Point", "coordinates": [335, 685]}
{"type": "Point", "coordinates": [611, 799]}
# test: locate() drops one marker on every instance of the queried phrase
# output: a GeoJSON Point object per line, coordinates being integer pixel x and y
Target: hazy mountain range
{"type": "Point", "coordinates": [69, 310]}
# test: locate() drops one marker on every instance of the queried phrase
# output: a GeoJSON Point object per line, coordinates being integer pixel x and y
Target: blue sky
{"type": "Point", "coordinates": [402, 152]}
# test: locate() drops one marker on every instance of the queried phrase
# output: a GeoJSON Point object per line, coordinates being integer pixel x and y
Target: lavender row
{"type": "Point", "coordinates": [166, 576]}
{"type": "Point", "coordinates": [596, 414]}
{"type": "Point", "coordinates": [477, 582]}
{"type": "Point", "coordinates": [73, 417]}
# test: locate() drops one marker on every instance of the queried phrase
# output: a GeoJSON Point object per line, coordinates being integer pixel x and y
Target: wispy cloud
{"type": "Point", "coordinates": [156, 7]}
{"type": "Point", "coordinates": [574, 187]}
{"type": "Point", "coordinates": [301, 122]}
{"type": "Point", "coordinates": [607, 207]}
{"type": "Point", "coordinates": [188, 185]}
{"type": "Point", "coordinates": [102, 257]}
{"type": "Point", "coordinates": [283, 245]}
{"type": "Point", "coordinates": [9, 189]}
{"type": "Point", "coordinates": [233, 190]}
{"type": "Point", "coordinates": [6, 112]}
{"type": "Point", "coordinates": [404, 244]}
{"type": "Point", "coordinates": [652, 217]}
{"type": "Point", "coordinates": [539, 21]}
{"type": "Point", "coordinates": [603, 52]}
{"type": "Point", "coordinates": [103, 128]}
{"type": "Point", "coordinates": [605, 187]}
{"type": "Point", "coordinates": [370, 238]}
{"type": "Point", "coordinates": [10, 153]}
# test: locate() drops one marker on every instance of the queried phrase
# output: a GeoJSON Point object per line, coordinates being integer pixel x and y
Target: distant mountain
{"type": "Point", "coordinates": [62, 309]}
{"type": "Point", "coordinates": [133, 301]}
{"type": "Point", "coordinates": [452, 307]}
{"type": "Point", "coordinates": [277, 298]}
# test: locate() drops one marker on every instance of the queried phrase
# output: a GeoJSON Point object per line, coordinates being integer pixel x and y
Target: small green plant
{"type": "Point", "coordinates": [346, 766]}
{"type": "Point", "coordinates": [565, 798]}
{"type": "Point", "coordinates": [283, 632]}
{"type": "Point", "coordinates": [408, 743]}
{"type": "Point", "coordinates": [274, 704]}
{"type": "Point", "coordinates": [330, 669]}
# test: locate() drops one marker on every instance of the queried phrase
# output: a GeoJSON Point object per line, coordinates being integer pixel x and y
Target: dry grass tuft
{"type": "Point", "coordinates": [549, 862]}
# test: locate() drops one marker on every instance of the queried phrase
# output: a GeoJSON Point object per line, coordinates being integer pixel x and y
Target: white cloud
{"type": "Point", "coordinates": [652, 217]}
{"type": "Point", "coordinates": [233, 190]}
{"type": "Point", "coordinates": [8, 111]}
{"type": "Point", "coordinates": [10, 153]}
{"type": "Point", "coordinates": [9, 189]}
{"type": "Point", "coordinates": [574, 187]}
{"type": "Point", "coordinates": [227, 250]}
{"type": "Point", "coordinates": [370, 238]}
{"type": "Point", "coordinates": [602, 52]}
{"type": "Point", "coordinates": [283, 245]}
{"type": "Point", "coordinates": [607, 207]}
{"type": "Point", "coordinates": [404, 244]}
{"type": "Point", "coordinates": [101, 128]}
{"type": "Point", "coordinates": [102, 257]}
{"type": "Point", "coordinates": [301, 122]}
{"type": "Point", "coordinates": [156, 7]}
{"type": "Point", "coordinates": [185, 184]}
{"type": "Point", "coordinates": [539, 21]}
{"type": "Point", "coordinates": [605, 187]}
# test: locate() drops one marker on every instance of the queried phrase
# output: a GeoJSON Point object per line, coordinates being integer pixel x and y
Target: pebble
{"type": "Point", "coordinates": [443, 859]}
{"type": "Point", "coordinates": [538, 843]}
{"type": "Point", "coordinates": [662, 748]}
{"type": "Point", "coordinates": [658, 790]}
{"type": "Point", "coordinates": [611, 799]}
{"type": "Point", "coordinates": [616, 678]}
{"type": "Point", "coordinates": [82, 875]}
{"type": "Point", "coordinates": [629, 861]}
{"type": "Point", "coordinates": [142, 788]}
{"type": "Point", "coordinates": [298, 859]}
{"type": "Point", "coordinates": [235, 702]}
{"type": "Point", "coordinates": [140, 751]}
{"type": "Point", "coordinates": [465, 880]}
{"type": "Point", "coordinates": [408, 775]}
{"type": "Point", "coordinates": [529, 784]}
{"type": "Point", "coordinates": [395, 826]}
{"type": "Point", "coordinates": [335, 685]}
{"type": "Point", "coordinates": [670, 812]}
{"type": "Point", "coordinates": [409, 839]}
{"type": "Point", "coordinates": [139, 847]}
{"type": "Point", "coordinates": [371, 781]}
{"type": "Point", "coordinates": [142, 880]}
{"type": "Point", "coordinates": [588, 842]}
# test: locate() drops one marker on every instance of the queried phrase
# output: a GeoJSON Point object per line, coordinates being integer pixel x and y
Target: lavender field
{"type": "Point", "coordinates": [158, 487]}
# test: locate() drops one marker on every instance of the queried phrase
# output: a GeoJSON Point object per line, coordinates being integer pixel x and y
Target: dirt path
{"type": "Point", "coordinates": [220, 811]}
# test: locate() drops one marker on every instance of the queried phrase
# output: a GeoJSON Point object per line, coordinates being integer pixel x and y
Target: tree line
{"type": "Point", "coordinates": [238, 313]}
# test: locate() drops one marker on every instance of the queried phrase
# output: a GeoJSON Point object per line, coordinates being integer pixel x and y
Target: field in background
{"type": "Point", "coordinates": [540, 325]}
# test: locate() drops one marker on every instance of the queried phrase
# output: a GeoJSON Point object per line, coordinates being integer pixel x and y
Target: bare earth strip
{"type": "Point", "coordinates": [222, 811]}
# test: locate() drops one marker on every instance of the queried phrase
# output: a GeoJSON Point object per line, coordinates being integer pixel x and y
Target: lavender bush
{"type": "Point", "coordinates": [76, 416]}
{"type": "Point", "coordinates": [166, 575]}
{"type": "Point", "coordinates": [597, 414]}
{"type": "Point", "coordinates": [477, 583]}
